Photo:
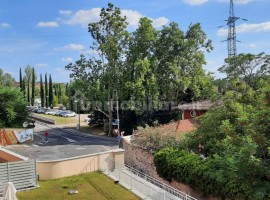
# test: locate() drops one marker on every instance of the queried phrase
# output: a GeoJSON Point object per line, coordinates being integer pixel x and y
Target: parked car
{"type": "Point", "coordinates": [50, 112]}
{"type": "Point", "coordinates": [68, 114]}
{"type": "Point", "coordinates": [39, 110]}
{"type": "Point", "coordinates": [57, 112]}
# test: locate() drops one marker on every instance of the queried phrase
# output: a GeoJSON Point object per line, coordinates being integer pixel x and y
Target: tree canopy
{"type": "Point", "coordinates": [229, 154]}
{"type": "Point", "coordinates": [143, 67]}
{"type": "Point", "coordinates": [12, 107]}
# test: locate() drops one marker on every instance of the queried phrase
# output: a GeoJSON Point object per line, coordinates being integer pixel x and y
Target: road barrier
{"type": "Point", "coordinates": [41, 118]}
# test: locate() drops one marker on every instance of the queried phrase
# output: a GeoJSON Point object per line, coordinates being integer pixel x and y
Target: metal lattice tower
{"type": "Point", "coordinates": [231, 39]}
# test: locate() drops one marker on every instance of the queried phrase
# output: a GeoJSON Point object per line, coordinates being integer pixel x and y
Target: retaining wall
{"type": "Point", "coordinates": [82, 164]}
{"type": "Point", "coordinates": [142, 160]}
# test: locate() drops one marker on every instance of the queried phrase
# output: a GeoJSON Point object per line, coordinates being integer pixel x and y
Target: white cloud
{"type": "Point", "coordinates": [195, 2]}
{"type": "Point", "coordinates": [237, 1]}
{"type": "Point", "coordinates": [84, 17]}
{"type": "Point", "coordinates": [248, 28]}
{"type": "Point", "coordinates": [133, 17]}
{"type": "Point", "coordinates": [65, 12]}
{"type": "Point", "coordinates": [160, 22]}
{"type": "Point", "coordinates": [222, 32]}
{"type": "Point", "coordinates": [4, 25]}
{"type": "Point", "coordinates": [68, 59]}
{"type": "Point", "coordinates": [41, 65]}
{"type": "Point", "coordinates": [252, 45]}
{"type": "Point", "coordinates": [71, 47]}
{"type": "Point", "coordinates": [91, 51]}
{"type": "Point", "coordinates": [47, 24]}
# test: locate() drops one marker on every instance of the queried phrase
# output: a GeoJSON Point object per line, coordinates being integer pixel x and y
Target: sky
{"type": "Point", "coordinates": [50, 34]}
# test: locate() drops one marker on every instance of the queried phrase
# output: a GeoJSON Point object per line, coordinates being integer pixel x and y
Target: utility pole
{"type": "Point", "coordinates": [231, 39]}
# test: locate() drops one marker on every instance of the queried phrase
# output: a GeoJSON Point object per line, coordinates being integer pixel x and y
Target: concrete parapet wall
{"type": "Point", "coordinates": [9, 156]}
{"type": "Point", "coordinates": [78, 165]}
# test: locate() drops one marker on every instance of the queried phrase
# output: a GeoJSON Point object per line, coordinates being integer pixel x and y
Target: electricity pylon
{"type": "Point", "coordinates": [231, 39]}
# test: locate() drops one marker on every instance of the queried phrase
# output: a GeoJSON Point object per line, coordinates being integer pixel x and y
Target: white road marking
{"type": "Point", "coordinates": [106, 147]}
{"type": "Point", "coordinates": [80, 148]}
{"type": "Point", "coordinates": [68, 139]}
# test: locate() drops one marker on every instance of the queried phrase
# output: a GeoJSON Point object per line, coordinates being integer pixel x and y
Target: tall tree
{"type": "Point", "coordinates": [28, 77]}
{"type": "Point", "coordinates": [50, 92]}
{"type": "Point", "coordinates": [66, 89]}
{"type": "Point", "coordinates": [6, 79]}
{"type": "Point", "coordinates": [247, 67]}
{"type": "Point", "coordinates": [41, 91]}
{"type": "Point", "coordinates": [180, 62]}
{"type": "Point", "coordinates": [46, 92]}
{"type": "Point", "coordinates": [111, 39]}
{"type": "Point", "coordinates": [33, 86]}
{"type": "Point", "coordinates": [21, 79]}
{"type": "Point", "coordinates": [140, 78]}
{"type": "Point", "coordinates": [12, 107]}
{"type": "Point", "coordinates": [24, 88]}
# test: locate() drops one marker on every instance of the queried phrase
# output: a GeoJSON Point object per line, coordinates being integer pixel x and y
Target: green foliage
{"type": "Point", "coordinates": [46, 91]}
{"type": "Point", "coordinates": [6, 79]}
{"type": "Point", "coordinates": [153, 139]}
{"type": "Point", "coordinates": [41, 91]}
{"type": "Point", "coordinates": [235, 142]}
{"type": "Point", "coordinates": [50, 94]}
{"type": "Point", "coordinates": [12, 107]}
{"type": "Point", "coordinates": [145, 67]}
{"type": "Point", "coordinates": [33, 86]}
{"type": "Point", "coordinates": [247, 67]}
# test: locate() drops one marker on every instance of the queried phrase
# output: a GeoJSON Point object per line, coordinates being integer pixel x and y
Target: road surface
{"type": "Point", "coordinates": [62, 143]}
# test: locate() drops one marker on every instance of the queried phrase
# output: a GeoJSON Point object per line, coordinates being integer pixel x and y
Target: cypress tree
{"type": "Point", "coordinates": [67, 89]}
{"type": "Point", "coordinates": [50, 92]}
{"type": "Point", "coordinates": [33, 86]}
{"type": "Point", "coordinates": [59, 93]}
{"type": "Point", "coordinates": [28, 92]}
{"type": "Point", "coordinates": [23, 87]}
{"type": "Point", "coordinates": [46, 92]}
{"type": "Point", "coordinates": [59, 90]}
{"type": "Point", "coordinates": [21, 81]}
{"type": "Point", "coordinates": [41, 91]}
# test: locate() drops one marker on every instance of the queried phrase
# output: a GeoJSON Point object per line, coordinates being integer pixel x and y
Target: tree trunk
{"type": "Point", "coordinates": [110, 116]}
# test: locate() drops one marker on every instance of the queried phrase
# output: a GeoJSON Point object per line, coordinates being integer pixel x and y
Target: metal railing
{"type": "Point", "coordinates": [160, 184]}
{"type": "Point", "coordinates": [21, 173]}
{"type": "Point", "coordinates": [146, 186]}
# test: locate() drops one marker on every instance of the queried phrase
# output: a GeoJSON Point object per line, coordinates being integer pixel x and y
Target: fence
{"type": "Point", "coordinates": [145, 186]}
{"type": "Point", "coordinates": [21, 173]}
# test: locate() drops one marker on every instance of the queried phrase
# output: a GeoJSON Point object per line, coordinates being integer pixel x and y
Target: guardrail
{"type": "Point", "coordinates": [41, 118]}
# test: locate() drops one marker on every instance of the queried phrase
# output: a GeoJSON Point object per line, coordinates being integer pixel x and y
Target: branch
{"type": "Point", "coordinates": [98, 109]}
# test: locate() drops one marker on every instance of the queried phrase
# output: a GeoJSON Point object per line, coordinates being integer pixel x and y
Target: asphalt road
{"type": "Point", "coordinates": [62, 143]}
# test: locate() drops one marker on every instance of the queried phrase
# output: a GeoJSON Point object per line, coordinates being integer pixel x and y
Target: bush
{"type": "Point", "coordinates": [153, 139]}
{"type": "Point", "coordinates": [12, 107]}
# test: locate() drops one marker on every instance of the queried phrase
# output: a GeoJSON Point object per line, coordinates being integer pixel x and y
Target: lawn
{"type": "Point", "coordinates": [93, 185]}
{"type": "Point", "coordinates": [61, 120]}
